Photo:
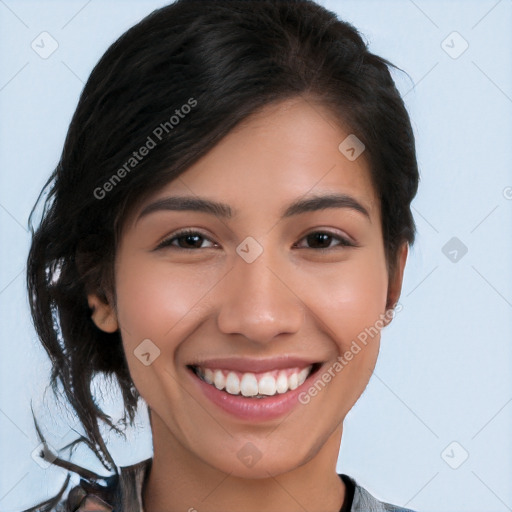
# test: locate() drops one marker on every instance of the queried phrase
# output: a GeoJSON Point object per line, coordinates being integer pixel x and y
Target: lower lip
{"type": "Point", "coordinates": [254, 409]}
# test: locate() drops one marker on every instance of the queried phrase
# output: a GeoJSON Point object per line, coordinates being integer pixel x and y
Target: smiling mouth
{"type": "Point", "coordinates": [255, 385]}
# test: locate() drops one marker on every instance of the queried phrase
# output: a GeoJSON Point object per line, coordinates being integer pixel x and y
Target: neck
{"type": "Point", "coordinates": [180, 480]}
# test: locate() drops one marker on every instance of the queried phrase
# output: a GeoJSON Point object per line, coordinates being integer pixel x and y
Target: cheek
{"type": "Point", "coordinates": [155, 301]}
{"type": "Point", "coordinates": [152, 297]}
{"type": "Point", "coordinates": [357, 301]}
{"type": "Point", "coordinates": [348, 303]}
{"type": "Point", "coordinates": [348, 297]}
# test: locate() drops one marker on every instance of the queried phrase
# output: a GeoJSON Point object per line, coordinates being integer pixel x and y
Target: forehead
{"type": "Point", "coordinates": [285, 151]}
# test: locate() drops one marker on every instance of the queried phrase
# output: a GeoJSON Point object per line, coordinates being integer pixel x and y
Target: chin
{"type": "Point", "coordinates": [260, 459]}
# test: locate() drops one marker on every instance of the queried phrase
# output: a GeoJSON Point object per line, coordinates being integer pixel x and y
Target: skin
{"type": "Point", "coordinates": [295, 299]}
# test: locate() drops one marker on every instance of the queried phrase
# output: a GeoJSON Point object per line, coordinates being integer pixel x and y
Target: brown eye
{"type": "Point", "coordinates": [324, 239]}
{"type": "Point", "coordinates": [187, 239]}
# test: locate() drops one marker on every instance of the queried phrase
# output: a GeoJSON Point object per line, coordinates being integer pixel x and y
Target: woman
{"type": "Point", "coordinates": [225, 235]}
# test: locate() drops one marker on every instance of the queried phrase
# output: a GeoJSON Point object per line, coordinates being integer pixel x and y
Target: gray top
{"type": "Point", "coordinates": [123, 493]}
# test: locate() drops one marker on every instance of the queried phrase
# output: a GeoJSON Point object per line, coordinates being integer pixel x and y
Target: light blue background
{"type": "Point", "coordinates": [444, 369]}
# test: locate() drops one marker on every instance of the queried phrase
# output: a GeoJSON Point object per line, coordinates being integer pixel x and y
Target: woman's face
{"type": "Point", "coordinates": [262, 292]}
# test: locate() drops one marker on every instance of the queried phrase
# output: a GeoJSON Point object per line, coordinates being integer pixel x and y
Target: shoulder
{"type": "Point", "coordinates": [365, 502]}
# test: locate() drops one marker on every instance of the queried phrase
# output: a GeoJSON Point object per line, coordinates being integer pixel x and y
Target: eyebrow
{"type": "Point", "coordinates": [222, 210]}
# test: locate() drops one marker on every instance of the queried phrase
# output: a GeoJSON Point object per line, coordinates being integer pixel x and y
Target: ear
{"type": "Point", "coordinates": [395, 280]}
{"type": "Point", "coordinates": [103, 314]}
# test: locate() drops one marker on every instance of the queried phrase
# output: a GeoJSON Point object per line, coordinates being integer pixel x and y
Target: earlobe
{"type": "Point", "coordinates": [103, 314]}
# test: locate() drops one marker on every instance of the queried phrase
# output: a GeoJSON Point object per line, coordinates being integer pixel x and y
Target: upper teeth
{"type": "Point", "coordinates": [250, 384]}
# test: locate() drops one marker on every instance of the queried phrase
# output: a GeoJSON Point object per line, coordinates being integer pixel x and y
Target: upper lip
{"type": "Point", "coordinates": [254, 365]}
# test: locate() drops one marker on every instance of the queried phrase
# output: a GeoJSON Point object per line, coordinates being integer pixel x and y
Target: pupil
{"type": "Point", "coordinates": [189, 240]}
{"type": "Point", "coordinates": [320, 237]}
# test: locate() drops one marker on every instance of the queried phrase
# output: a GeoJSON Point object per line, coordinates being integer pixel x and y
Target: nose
{"type": "Point", "coordinates": [259, 302]}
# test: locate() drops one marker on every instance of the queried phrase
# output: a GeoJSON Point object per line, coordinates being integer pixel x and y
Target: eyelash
{"type": "Point", "coordinates": [167, 243]}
